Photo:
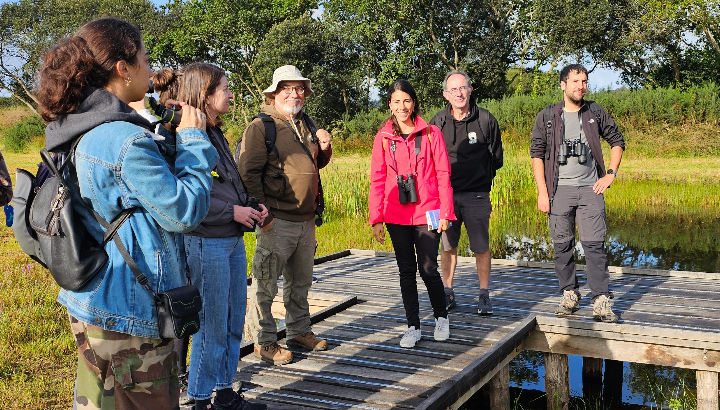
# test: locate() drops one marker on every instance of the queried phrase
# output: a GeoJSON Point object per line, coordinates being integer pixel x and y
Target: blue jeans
{"type": "Point", "coordinates": [218, 268]}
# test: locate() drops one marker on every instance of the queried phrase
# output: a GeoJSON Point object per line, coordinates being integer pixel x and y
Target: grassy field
{"type": "Point", "coordinates": [37, 353]}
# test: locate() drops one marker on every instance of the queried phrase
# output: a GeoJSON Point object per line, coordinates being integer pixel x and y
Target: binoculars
{"type": "Point", "coordinates": [171, 115]}
{"type": "Point", "coordinates": [573, 149]}
{"type": "Point", "coordinates": [253, 203]}
{"type": "Point", "coordinates": [407, 192]}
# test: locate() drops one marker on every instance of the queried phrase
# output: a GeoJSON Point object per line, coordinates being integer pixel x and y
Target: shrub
{"type": "Point", "coordinates": [19, 136]}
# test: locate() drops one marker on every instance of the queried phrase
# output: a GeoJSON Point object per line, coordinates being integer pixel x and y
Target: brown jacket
{"type": "Point", "coordinates": [287, 186]}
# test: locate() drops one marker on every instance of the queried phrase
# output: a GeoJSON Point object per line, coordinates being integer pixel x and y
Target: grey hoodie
{"type": "Point", "coordinates": [99, 107]}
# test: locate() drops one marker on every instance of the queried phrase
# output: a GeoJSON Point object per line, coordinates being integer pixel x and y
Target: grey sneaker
{"type": "Point", "coordinates": [569, 303]}
{"type": "Point", "coordinates": [602, 310]}
{"type": "Point", "coordinates": [484, 306]}
{"type": "Point", "coordinates": [450, 300]}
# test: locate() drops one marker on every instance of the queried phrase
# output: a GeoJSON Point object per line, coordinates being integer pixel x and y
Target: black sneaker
{"type": "Point", "coordinates": [450, 300]}
{"type": "Point", "coordinates": [238, 403]}
{"type": "Point", "coordinates": [484, 306]}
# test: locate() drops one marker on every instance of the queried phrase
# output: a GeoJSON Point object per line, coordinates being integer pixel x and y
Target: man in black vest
{"type": "Point", "coordinates": [472, 138]}
{"type": "Point", "coordinates": [571, 178]}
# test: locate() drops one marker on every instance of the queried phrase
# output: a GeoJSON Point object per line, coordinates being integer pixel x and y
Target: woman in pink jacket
{"type": "Point", "coordinates": [409, 176]}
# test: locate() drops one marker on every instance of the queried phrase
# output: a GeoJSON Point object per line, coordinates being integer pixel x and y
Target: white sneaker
{"type": "Point", "coordinates": [442, 329]}
{"type": "Point", "coordinates": [410, 337]}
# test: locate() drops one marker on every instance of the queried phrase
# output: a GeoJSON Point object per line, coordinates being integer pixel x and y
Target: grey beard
{"type": "Point", "coordinates": [291, 110]}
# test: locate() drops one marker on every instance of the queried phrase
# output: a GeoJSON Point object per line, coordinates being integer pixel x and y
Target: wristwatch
{"type": "Point", "coordinates": [613, 173]}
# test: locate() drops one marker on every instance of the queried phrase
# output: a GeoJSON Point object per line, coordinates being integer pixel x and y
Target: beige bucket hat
{"type": "Point", "coordinates": [288, 73]}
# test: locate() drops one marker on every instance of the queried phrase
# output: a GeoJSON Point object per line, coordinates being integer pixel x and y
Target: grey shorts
{"type": "Point", "coordinates": [474, 209]}
{"type": "Point", "coordinates": [581, 202]}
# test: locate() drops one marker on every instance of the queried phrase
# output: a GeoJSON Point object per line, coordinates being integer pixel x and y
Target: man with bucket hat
{"type": "Point", "coordinates": [279, 158]}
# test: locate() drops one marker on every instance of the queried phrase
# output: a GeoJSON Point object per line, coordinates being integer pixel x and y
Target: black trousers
{"type": "Point", "coordinates": [407, 239]}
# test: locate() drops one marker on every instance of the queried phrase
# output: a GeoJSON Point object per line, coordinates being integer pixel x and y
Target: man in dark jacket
{"type": "Point", "coordinates": [571, 178]}
{"type": "Point", "coordinates": [472, 138]}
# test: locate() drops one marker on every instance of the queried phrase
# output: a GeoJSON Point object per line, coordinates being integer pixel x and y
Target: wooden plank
{"type": "Point", "coordinates": [472, 375]}
{"type": "Point", "coordinates": [332, 257]}
{"type": "Point", "coordinates": [557, 381]}
{"type": "Point", "coordinates": [564, 325]}
{"type": "Point", "coordinates": [298, 400]}
{"type": "Point", "coordinates": [685, 357]}
{"type": "Point", "coordinates": [707, 390]}
{"type": "Point", "coordinates": [248, 347]}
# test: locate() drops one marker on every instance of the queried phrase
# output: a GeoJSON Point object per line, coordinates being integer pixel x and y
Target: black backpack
{"type": "Point", "coordinates": [48, 228]}
{"type": "Point", "coordinates": [270, 138]}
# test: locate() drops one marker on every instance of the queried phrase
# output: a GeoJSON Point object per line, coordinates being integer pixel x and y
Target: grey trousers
{"type": "Point", "coordinates": [581, 203]}
{"type": "Point", "coordinates": [288, 250]}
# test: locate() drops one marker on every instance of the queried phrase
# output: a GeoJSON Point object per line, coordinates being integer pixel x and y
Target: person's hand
{"type": "Point", "coordinates": [324, 139]}
{"type": "Point", "coordinates": [379, 232]}
{"type": "Point", "coordinates": [443, 226]}
{"type": "Point", "coordinates": [263, 214]}
{"type": "Point", "coordinates": [268, 226]}
{"type": "Point", "coordinates": [245, 215]}
{"type": "Point", "coordinates": [603, 183]}
{"type": "Point", "coordinates": [191, 117]}
{"type": "Point", "coordinates": [543, 202]}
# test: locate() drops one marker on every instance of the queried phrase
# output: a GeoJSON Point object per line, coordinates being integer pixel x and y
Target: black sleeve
{"type": "Point", "coordinates": [495, 143]}
{"type": "Point", "coordinates": [609, 130]}
{"type": "Point", "coordinates": [538, 139]}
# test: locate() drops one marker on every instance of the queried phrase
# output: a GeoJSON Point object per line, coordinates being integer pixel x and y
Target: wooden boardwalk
{"type": "Point", "coordinates": [365, 368]}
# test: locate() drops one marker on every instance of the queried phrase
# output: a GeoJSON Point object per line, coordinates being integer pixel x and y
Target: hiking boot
{"type": "Point", "coordinates": [484, 306]}
{"type": "Point", "coordinates": [442, 329]}
{"type": "Point", "coordinates": [273, 354]}
{"type": "Point", "coordinates": [184, 398]}
{"type": "Point", "coordinates": [238, 403]}
{"type": "Point", "coordinates": [569, 303]}
{"type": "Point", "coordinates": [308, 341]}
{"type": "Point", "coordinates": [410, 337]}
{"type": "Point", "coordinates": [449, 299]}
{"type": "Point", "coordinates": [602, 310]}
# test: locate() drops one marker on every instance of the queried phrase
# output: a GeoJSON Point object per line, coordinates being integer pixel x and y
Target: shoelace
{"type": "Point", "coordinates": [485, 299]}
{"type": "Point", "coordinates": [409, 333]}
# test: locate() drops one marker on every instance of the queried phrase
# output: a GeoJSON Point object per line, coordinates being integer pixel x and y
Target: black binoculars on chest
{"type": "Point", "coordinates": [574, 148]}
{"type": "Point", "coordinates": [407, 192]}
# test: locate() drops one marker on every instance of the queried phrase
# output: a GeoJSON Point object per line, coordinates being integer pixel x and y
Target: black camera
{"type": "Point", "coordinates": [407, 192]}
{"type": "Point", "coordinates": [253, 203]}
{"type": "Point", "coordinates": [170, 115]}
{"type": "Point", "coordinates": [574, 148]}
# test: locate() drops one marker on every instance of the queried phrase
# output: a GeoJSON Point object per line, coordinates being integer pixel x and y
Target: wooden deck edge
{"type": "Point", "coordinates": [474, 375]}
{"type": "Point", "coordinates": [614, 270]}
{"type": "Point", "coordinates": [626, 332]}
{"type": "Point", "coordinates": [248, 347]}
{"type": "Point", "coordinates": [332, 256]}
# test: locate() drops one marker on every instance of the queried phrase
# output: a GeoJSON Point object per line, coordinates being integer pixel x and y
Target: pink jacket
{"type": "Point", "coordinates": [432, 178]}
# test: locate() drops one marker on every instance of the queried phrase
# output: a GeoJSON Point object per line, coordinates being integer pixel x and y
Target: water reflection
{"type": "Point", "coordinates": [666, 244]}
{"type": "Point", "coordinates": [642, 385]}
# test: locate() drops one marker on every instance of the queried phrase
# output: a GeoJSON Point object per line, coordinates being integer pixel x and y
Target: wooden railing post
{"type": "Point", "coordinates": [500, 389]}
{"type": "Point", "coordinates": [557, 381]}
{"type": "Point", "coordinates": [707, 390]}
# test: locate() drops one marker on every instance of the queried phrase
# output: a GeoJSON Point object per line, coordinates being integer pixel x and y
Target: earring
{"type": "Point", "coordinates": [128, 81]}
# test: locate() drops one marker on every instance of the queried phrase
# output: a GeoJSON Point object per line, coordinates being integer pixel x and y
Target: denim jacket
{"type": "Point", "coordinates": [119, 166]}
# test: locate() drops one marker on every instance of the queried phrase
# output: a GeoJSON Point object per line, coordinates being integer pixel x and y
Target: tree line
{"type": "Point", "coordinates": [351, 47]}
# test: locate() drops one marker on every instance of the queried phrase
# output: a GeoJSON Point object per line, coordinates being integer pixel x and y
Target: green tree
{"type": "Point", "coordinates": [227, 33]}
{"type": "Point", "coordinates": [324, 55]}
{"type": "Point", "coordinates": [30, 27]}
{"type": "Point", "coordinates": [422, 40]}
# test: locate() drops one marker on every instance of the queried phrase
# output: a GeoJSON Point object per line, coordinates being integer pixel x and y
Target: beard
{"type": "Point", "coordinates": [572, 98]}
{"type": "Point", "coordinates": [291, 107]}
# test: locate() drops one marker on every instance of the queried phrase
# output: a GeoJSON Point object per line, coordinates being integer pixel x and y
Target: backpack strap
{"type": "Point", "coordinates": [270, 133]}
{"type": "Point", "coordinates": [548, 118]}
{"type": "Point", "coordinates": [484, 123]}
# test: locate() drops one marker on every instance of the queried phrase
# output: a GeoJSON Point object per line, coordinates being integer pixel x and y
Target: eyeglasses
{"type": "Point", "coordinates": [300, 90]}
{"type": "Point", "coordinates": [454, 90]}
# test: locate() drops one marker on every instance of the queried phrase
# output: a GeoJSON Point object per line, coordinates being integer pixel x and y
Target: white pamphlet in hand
{"type": "Point", "coordinates": [433, 219]}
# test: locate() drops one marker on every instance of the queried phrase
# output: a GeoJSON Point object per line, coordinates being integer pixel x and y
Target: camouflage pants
{"type": "Point", "coordinates": [118, 371]}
